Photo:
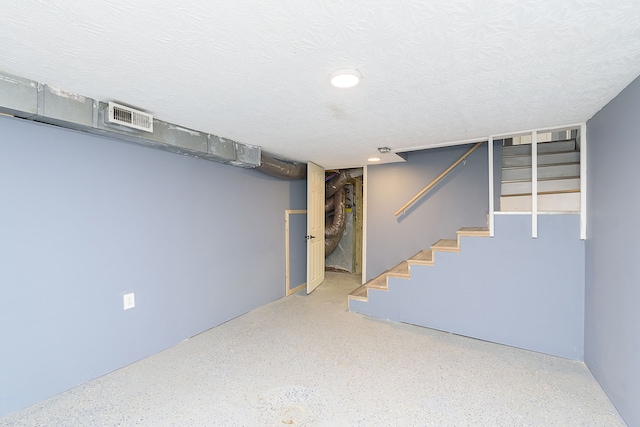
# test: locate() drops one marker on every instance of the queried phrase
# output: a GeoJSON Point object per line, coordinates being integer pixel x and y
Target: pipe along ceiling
{"type": "Point", "coordinates": [31, 100]}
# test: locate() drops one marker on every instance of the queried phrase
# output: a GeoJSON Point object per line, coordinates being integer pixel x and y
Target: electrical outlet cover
{"type": "Point", "coordinates": [129, 301]}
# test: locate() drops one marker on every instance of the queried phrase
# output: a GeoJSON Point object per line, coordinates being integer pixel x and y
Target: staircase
{"type": "Point", "coordinates": [509, 289]}
{"type": "Point", "coordinates": [425, 257]}
{"type": "Point", "coordinates": [558, 177]}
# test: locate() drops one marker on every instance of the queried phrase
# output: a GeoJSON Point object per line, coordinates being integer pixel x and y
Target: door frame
{"type": "Point", "coordinates": [287, 263]}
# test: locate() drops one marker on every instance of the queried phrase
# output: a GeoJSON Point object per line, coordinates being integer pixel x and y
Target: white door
{"type": "Point", "coordinates": [315, 226]}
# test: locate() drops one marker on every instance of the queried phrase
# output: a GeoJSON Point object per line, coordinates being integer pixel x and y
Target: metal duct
{"type": "Point", "coordinates": [31, 100]}
{"type": "Point", "coordinates": [282, 168]}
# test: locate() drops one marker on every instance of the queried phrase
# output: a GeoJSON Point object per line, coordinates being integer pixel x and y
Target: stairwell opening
{"type": "Point", "coordinates": [558, 172]}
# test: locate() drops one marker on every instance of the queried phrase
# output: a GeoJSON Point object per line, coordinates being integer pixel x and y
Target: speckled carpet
{"type": "Point", "coordinates": [307, 361]}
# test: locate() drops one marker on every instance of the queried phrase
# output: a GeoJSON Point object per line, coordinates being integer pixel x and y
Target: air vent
{"type": "Point", "coordinates": [130, 117]}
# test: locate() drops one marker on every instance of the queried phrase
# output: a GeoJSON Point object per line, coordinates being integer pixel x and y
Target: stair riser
{"type": "Point", "coordinates": [546, 159]}
{"type": "Point", "coordinates": [544, 172]}
{"type": "Point", "coordinates": [553, 185]}
{"type": "Point", "coordinates": [567, 202]}
{"type": "Point", "coordinates": [546, 147]}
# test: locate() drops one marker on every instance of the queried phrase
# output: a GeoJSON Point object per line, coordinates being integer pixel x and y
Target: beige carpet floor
{"type": "Point", "coordinates": [307, 361]}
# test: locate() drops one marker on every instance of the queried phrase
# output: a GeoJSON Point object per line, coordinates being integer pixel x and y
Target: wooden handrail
{"type": "Point", "coordinates": [437, 179]}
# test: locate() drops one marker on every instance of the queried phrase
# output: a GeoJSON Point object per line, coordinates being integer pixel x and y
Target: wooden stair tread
{"type": "Point", "coordinates": [446, 245]}
{"type": "Point", "coordinates": [360, 294]}
{"type": "Point", "coordinates": [544, 153]}
{"type": "Point", "coordinates": [542, 193]}
{"type": "Point", "coordinates": [400, 270]}
{"type": "Point", "coordinates": [379, 282]}
{"type": "Point", "coordinates": [422, 258]}
{"type": "Point", "coordinates": [540, 166]}
{"type": "Point", "coordinates": [473, 231]}
{"type": "Point", "coordinates": [557, 178]}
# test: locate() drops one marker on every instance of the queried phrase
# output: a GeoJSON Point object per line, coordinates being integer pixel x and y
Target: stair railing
{"type": "Point", "coordinates": [437, 179]}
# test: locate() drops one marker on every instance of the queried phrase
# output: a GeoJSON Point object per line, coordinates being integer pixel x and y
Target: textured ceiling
{"type": "Point", "coordinates": [256, 71]}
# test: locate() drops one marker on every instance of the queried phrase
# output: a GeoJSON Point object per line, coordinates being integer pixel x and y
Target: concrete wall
{"type": "Point", "coordinates": [510, 289]}
{"type": "Point", "coordinates": [459, 200]}
{"type": "Point", "coordinates": [612, 329]}
{"type": "Point", "coordinates": [85, 219]}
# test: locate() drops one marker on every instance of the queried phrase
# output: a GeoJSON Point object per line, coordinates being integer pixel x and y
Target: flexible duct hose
{"type": "Point", "coordinates": [334, 223]}
{"type": "Point", "coordinates": [335, 228]}
{"type": "Point", "coordinates": [335, 195]}
{"type": "Point", "coordinates": [281, 168]}
{"type": "Point", "coordinates": [336, 183]}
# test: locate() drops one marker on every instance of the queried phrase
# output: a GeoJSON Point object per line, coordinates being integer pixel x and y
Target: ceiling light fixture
{"type": "Point", "coordinates": [374, 159]}
{"type": "Point", "coordinates": [345, 78]}
{"type": "Point", "coordinates": [384, 150]}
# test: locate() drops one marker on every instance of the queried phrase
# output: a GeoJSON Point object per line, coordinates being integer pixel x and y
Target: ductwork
{"type": "Point", "coordinates": [336, 183]}
{"type": "Point", "coordinates": [35, 101]}
{"type": "Point", "coordinates": [335, 224]}
{"type": "Point", "coordinates": [31, 100]}
{"type": "Point", "coordinates": [281, 168]}
{"type": "Point", "coordinates": [329, 204]}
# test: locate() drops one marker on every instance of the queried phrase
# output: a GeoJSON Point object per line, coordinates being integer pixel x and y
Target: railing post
{"type": "Point", "coordinates": [583, 181]}
{"type": "Point", "coordinates": [534, 184]}
{"type": "Point", "coordinates": [491, 193]}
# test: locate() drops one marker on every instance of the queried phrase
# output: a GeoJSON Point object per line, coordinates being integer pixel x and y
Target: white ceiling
{"type": "Point", "coordinates": [256, 71]}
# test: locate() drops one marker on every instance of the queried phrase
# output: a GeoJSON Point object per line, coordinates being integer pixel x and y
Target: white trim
{"type": "Point", "coordinates": [540, 130]}
{"type": "Point", "coordinates": [534, 184]}
{"type": "Point", "coordinates": [583, 181]}
{"type": "Point", "coordinates": [365, 175]}
{"type": "Point", "coordinates": [484, 138]}
{"type": "Point", "coordinates": [287, 254]}
{"type": "Point", "coordinates": [442, 144]}
{"type": "Point", "coordinates": [539, 213]}
{"type": "Point", "coordinates": [491, 194]}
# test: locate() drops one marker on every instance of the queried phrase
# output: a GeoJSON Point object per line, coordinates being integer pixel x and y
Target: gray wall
{"type": "Point", "coordinates": [510, 289]}
{"type": "Point", "coordinates": [85, 219]}
{"type": "Point", "coordinates": [459, 200]}
{"type": "Point", "coordinates": [612, 329]}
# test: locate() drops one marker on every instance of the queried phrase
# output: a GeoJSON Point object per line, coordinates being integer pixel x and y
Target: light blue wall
{"type": "Point", "coordinates": [84, 220]}
{"type": "Point", "coordinates": [510, 289]}
{"type": "Point", "coordinates": [612, 329]}
{"type": "Point", "coordinates": [459, 200]}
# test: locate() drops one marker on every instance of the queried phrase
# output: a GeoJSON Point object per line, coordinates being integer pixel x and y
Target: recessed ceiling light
{"type": "Point", "coordinates": [374, 159]}
{"type": "Point", "coordinates": [345, 78]}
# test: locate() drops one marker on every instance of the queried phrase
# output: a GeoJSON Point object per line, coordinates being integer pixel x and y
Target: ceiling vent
{"type": "Point", "coordinates": [130, 117]}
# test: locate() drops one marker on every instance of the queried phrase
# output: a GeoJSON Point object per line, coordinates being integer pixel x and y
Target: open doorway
{"type": "Point", "coordinates": [345, 246]}
{"type": "Point", "coordinates": [344, 221]}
